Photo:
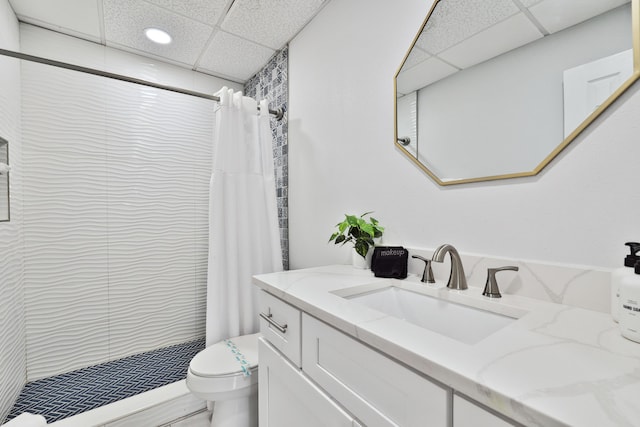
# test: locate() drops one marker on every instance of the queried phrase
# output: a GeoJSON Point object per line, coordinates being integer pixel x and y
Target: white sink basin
{"type": "Point", "coordinates": [466, 324]}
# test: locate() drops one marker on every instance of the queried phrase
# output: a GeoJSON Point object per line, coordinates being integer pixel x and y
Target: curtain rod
{"type": "Point", "coordinates": [278, 113]}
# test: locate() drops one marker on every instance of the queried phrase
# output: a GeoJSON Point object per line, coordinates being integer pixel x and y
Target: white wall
{"type": "Point", "coordinates": [116, 203]}
{"type": "Point", "coordinates": [580, 210]}
{"type": "Point", "coordinates": [12, 334]}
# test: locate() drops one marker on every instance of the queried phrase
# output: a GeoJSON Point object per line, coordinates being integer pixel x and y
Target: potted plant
{"type": "Point", "coordinates": [359, 231]}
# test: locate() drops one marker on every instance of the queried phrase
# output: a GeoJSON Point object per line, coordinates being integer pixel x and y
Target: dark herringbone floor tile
{"type": "Point", "coordinates": [64, 395]}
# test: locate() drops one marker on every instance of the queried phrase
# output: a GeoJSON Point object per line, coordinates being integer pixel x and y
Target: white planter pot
{"type": "Point", "coordinates": [359, 262]}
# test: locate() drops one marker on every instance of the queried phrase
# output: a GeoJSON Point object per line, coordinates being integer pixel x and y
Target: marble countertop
{"type": "Point", "coordinates": [555, 365]}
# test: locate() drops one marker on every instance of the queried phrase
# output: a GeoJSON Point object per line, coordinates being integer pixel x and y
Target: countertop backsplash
{"type": "Point", "coordinates": [574, 285]}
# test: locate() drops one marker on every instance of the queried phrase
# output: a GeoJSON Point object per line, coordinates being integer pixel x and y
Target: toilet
{"type": "Point", "coordinates": [226, 373]}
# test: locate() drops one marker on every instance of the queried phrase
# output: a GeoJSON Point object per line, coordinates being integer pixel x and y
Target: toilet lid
{"type": "Point", "coordinates": [227, 357]}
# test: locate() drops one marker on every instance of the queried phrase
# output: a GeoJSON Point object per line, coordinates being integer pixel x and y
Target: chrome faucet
{"type": "Point", "coordinates": [457, 280]}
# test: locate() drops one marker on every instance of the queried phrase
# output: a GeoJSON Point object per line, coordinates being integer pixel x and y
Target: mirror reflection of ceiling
{"type": "Point", "coordinates": [462, 33]}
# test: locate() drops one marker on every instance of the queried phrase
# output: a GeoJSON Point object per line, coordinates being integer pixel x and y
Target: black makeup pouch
{"type": "Point", "coordinates": [390, 261]}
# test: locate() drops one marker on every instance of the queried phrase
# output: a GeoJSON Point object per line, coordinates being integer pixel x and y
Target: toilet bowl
{"type": "Point", "coordinates": [226, 373]}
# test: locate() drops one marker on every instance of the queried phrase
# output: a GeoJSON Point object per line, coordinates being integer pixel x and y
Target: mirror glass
{"type": "Point", "coordinates": [494, 89]}
{"type": "Point", "coordinates": [4, 180]}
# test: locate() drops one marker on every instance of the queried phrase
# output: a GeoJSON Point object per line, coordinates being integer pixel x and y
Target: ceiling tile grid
{"type": "Point", "coordinates": [231, 56]}
{"type": "Point", "coordinates": [509, 34]}
{"type": "Point", "coordinates": [226, 38]}
{"type": "Point", "coordinates": [556, 15]}
{"type": "Point", "coordinates": [269, 22]}
{"type": "Point", "coordinates": [125, 21]}
{"type": "Point", "coordinates": [415, 57]}
{"type": "Point", "coordinates": [529, 3]}
{"type": "Point", "coordinates": [206, 11]}
{"type": "Point", "coordinates": [455, 20]}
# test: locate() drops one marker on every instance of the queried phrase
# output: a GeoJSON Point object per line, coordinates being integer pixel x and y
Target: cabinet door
{"type": "Point", "coordinates": [289, 399]}
{"type": "Point", "coordinates": [374, 388]}
{"type": "Point", "coordinates": [467, 414]}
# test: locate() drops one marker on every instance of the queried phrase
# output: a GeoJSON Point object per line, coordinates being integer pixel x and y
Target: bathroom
{"type": "Point", "coordinates": [577, 212]}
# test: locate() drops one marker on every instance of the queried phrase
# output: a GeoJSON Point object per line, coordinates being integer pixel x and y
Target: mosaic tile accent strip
{"type": "Point", "coordinates": [271, 83]}
{"type": "Point", "coordinates": [64, 395]}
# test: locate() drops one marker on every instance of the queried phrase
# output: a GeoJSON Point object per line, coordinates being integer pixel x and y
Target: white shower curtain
{"type": "Point", "coordinates": [244, 238]}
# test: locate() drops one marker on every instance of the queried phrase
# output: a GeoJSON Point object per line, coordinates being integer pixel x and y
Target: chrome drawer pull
{"type": "Point", "coordinates": [269, 319]}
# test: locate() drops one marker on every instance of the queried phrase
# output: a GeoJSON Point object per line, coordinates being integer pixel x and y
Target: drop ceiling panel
{"type": "Point", "coordinates": [205, 11]}
{"type": "Point", "coordinates": [423, 75]}
{"type": "Point", "coordinates": [503, 37]}
{"type": "Point", "coordinates": [254, 28]}
{"type": "Point", "coordinates": [455, 20]}
{"type": "Point", "coordinates": [556, 15]}
{"type": "Point", "coordinates": [232, 56]}
{"type": "Point", "coordinates": [415, 57]}
{"type": "Point", "coordinates": [125, 21]}
{"type": "Point", "coordinates": [67, 16]}
{"type": "Point", "coordinates": [269, 22]}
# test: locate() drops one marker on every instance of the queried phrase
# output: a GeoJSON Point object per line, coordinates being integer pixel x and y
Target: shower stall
{"type": "Point", "coordinates": [112, 188]}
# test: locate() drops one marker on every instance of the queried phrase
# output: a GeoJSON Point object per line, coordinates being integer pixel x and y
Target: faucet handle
{"type": "Point", "coordinates": [427, 274]}
{"type": "Point", "coordinates": [491, 287]}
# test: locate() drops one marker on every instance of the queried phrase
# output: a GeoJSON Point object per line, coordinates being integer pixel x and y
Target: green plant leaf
{"type": "Point", "coordinates": [334, 235]}
{"type": "Point", "coordinates": [362, 247]}
{"type": "Point", "coordinates": [368, 228]}
{"type": "Point", "coordinates": [352, 220]}
{"type": "Point", "coordinates": [340, 238]}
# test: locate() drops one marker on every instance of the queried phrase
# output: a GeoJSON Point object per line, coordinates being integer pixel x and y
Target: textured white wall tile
{"type": "Point", "coordinates": [65, 220]}
{"type": "Point", "coordinates": [118, 199]}
{"type": "Point", "coordinates": [202, 177]}
{"type": "Point", "coordinates": [152, 225]}
{"type": "Point", "coordinates": [12, 333]}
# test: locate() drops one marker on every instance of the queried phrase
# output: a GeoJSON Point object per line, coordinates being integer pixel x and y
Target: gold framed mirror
{"type": "Point", "coordinates": [496, 89]}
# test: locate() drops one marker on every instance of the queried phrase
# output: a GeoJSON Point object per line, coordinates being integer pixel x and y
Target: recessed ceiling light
{"type": "Point", "coordinates": [157, 35]}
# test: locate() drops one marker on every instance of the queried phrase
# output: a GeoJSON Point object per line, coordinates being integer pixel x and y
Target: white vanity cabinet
{"type": "Point", "coordinates": [311, 374]}
{"type": "Point", "coordinates": [289, 399]}
{"type": "Point", "coordinates": [468, 414]}
{"type": "Point", "coordinates": [373, 387]}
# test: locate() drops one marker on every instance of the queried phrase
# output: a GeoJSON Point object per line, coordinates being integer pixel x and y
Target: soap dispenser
{"type": "Point", "coordinates": [629, 315]}
{"type": "Point", "coordinates": [619, 273]}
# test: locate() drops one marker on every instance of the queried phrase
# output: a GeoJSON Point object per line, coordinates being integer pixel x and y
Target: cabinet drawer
{"type": "Point", "coordinates": [375, 389]}
{"type": "Point", "coordinates": [280, 325]}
